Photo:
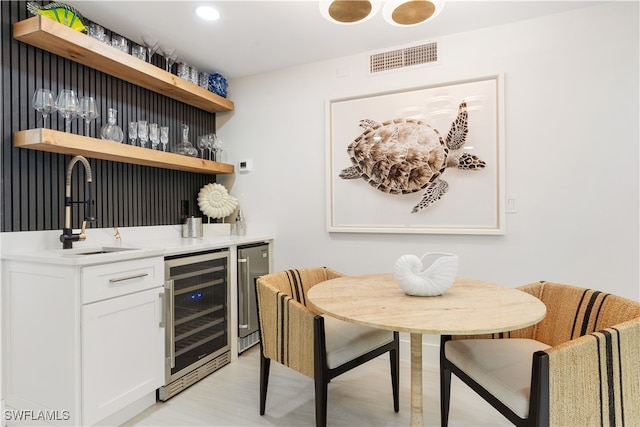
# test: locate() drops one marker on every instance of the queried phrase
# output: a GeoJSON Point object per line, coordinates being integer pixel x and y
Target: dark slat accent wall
{"type": "Point", "coordinates": [33, 182]}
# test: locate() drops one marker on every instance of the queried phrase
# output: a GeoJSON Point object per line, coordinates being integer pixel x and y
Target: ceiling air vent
{"type": "Point", "coordinates": [404, 57]}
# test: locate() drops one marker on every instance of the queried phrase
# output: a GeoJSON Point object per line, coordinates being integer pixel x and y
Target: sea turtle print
{"type": "Point", "coordinates": [403, 156]}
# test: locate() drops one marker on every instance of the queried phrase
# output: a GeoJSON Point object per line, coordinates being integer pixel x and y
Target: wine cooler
{"type": "Point", "coordinates": [198, 336]}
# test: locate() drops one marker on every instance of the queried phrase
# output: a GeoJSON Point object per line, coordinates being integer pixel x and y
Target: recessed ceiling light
{"type": "Point", "coordinates": [207, 13]}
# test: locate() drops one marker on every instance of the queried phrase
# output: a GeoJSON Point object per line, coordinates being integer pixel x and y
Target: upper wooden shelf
{"type": "Point", "coordinates": [67, 143]}
{"type": "Point", "coordinates": [54, 37]}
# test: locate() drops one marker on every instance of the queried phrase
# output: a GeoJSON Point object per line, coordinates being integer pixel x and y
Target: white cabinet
{"type": "Point", "coordinates": [120, 337]}
{"type": "Point", "coordinates": [83, 343]}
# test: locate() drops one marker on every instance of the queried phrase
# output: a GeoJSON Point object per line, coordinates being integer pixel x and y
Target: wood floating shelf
{"type": "Point", "coordinates": [61, 40]}
{"type": "Point", "coordinates": [66, 143]}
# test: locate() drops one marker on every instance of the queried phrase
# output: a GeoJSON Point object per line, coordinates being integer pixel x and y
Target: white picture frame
{"type": "Point", "coordinates": [474, 201]}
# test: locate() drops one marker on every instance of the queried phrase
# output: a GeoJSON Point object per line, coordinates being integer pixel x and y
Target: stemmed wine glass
{"type": "Point", "coordinates": [154, 136]}
{"type": "Point", "coordinates": [143, 132]}
{"type": "Point", "coordinates": [210, 139]}
{"type": "Point", "coordinates": [164, 137]}
{"type": "Point", "coordinates": [203, 143]}
{"type": "Point", "coordinates": [172, 60]}
{"type": "Point", "coordinates": [167, 51]}
{"type": "Point", "coordinates": [67, 105]}
{"type": "Point", "coordinates": [133, 132]}
{"type": "Point", "coordinates": [217, 147]}
{"type": "Point", "coordinates": [88, 111]}
{"type": "Point", "coordinates": [43, 102]}
{"type": "Point", "coordinates": [152, 44]}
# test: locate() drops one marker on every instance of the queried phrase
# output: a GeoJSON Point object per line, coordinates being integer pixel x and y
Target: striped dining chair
{"type": "Point", "coordinates": [321, 347]}
{"type": "Point", "coordinates": [580, 366]}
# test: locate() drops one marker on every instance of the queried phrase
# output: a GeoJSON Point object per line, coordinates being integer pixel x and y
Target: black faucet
{"type": "Point", "coordinates": [68, 237]}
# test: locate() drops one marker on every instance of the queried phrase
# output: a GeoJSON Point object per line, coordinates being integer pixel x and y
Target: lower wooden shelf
{"type": "Point", "coordinates": [67, 143]}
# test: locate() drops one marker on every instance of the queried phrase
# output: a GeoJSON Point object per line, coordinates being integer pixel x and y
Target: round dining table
{"type": "Point", "coordinates": [468, 307]}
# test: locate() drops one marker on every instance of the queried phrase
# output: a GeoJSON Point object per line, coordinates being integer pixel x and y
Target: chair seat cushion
{"type": "Point", "coordinates": [501, 366]}
{"type": "Point", "coordinates": [346, 341]}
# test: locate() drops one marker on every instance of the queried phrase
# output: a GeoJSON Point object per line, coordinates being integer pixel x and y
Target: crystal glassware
{"type": "Point", "coordinates": [67, 105]}
{"type": "Point", "coordinates": [185, 146]}
{"type": "Point", "coordinates": [120, 43]}
{"type": "Point", "coordinates": [211, 142]}
{"type": "Point", "coordinates": [44, 102]}
{"type": "Point", "coordinates": [143, 132]}
{"type": "Point", "coordinates": [202, 144]}
{"type": "Point", "coordinates": [152, 45]}
{"type": "Point", "coordinates": [167, 51]}
{"type": "Point", "coordinates": [133, 132]}
{"type": "Point", "coordinates": [88, 111]}
{"type": "Point", "coordinates": [111, 131]}
{"type": "Point", "coordinates": [164, 137]}
{"type": "Point", "coordinates": [154, 136]}
{"type": "Point", "coordinates": [139, 52]}
{"type": "Point", "coordinates": [172, 60]}
{"type": "Point", "coordinates": [217, 148]}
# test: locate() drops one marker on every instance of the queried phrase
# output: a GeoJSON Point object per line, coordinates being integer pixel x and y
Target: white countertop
{"type": "Point", "coordinates": [136, 242]}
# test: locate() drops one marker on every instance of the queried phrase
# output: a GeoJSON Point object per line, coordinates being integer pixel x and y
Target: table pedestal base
{"type": "Point", "coordinates": [417, 418]}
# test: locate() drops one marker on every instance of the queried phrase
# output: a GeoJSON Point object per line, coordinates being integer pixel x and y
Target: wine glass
{"type": "Point", "coordinates": [133, 132]}
{"type": "Point", "coordinates": [67, 105]}
{"type": "Point", "coordinates": [152, 44]}
{"type": "Point", "coordinates": [217, 148]}
{"type": "Point", "coordinates": [143, 132]}
{"type": "Point", "coordinates": [164, 137]}
{"type": "Point", "coordinates": [172, 60]}
{"type": "Point", "coordinates": [43, 102]}
{"type": "Point", "coordinates": [88, 111]}
{"type": "Point", "coordinates": [154, 136]}
{"type": "Point", "coordinates": [203, 143]}
{"type": "Point", "coordinates": [210, 139]}
{"type": "Point", "coordinates": [167, 51]}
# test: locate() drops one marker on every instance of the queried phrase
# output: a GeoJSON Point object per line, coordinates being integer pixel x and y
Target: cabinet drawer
{"type": "Point", "coordinates": [105, 281]}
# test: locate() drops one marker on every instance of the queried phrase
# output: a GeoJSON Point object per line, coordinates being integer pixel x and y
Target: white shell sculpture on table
{"type": "Point", "coordinates": [430, 275]}
{"type": "Point", "coordinates": [215, 202]}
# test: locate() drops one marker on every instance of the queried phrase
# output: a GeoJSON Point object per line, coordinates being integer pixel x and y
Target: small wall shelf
{"type": "Point", "coordinates": [67, 143]}
{"type": "Point", "coordinates": [54, 37]}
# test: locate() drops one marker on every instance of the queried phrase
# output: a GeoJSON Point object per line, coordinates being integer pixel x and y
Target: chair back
{"type": "Point", "coordinates": [573, 312]}
{"type": "Point", "coordinates": [286, 318]}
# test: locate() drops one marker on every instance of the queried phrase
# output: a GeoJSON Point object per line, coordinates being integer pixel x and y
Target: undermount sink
{"type": "Point", "coordinates": [103, 250]}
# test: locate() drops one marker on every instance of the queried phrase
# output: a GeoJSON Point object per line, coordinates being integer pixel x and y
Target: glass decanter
{"type": "Point", "coordinates": [185, 147]}
{"type": "Point", "coordinates": [111, 131]}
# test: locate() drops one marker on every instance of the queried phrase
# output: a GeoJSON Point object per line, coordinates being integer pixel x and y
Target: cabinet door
{"type": "Point", "coordinates": [122, 352]}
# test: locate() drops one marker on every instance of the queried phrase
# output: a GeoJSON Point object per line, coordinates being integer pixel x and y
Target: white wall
{"type": "Point", "coordinates": [572, 137]}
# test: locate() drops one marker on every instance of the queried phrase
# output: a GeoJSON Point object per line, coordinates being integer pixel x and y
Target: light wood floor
{"type": "Point", "coordinates": [361, 397]}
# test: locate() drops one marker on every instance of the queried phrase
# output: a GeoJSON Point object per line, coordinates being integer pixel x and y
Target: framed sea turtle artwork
{"type": "Point", "coordinates": [422, 160]}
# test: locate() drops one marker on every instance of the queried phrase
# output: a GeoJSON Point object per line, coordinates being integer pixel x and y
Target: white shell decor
{"type": "Point", "coordinates": [430, 275]}
{"type": "Point", "coordinates": [215, 202]}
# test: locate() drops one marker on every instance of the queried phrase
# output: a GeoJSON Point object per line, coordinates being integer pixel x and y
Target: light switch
{"type": "Point", "coordinates": [512, 204]}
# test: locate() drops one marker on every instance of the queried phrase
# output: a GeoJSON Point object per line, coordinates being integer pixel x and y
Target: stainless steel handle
{"type": "Point", "coordinates": [121, 279]}
{"type": "Point", "coordinates": [163, 310]}
{"type": "Point", "coordinates": [172, 327]}
{"type": "Point", "coordinates": [242, 323]}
